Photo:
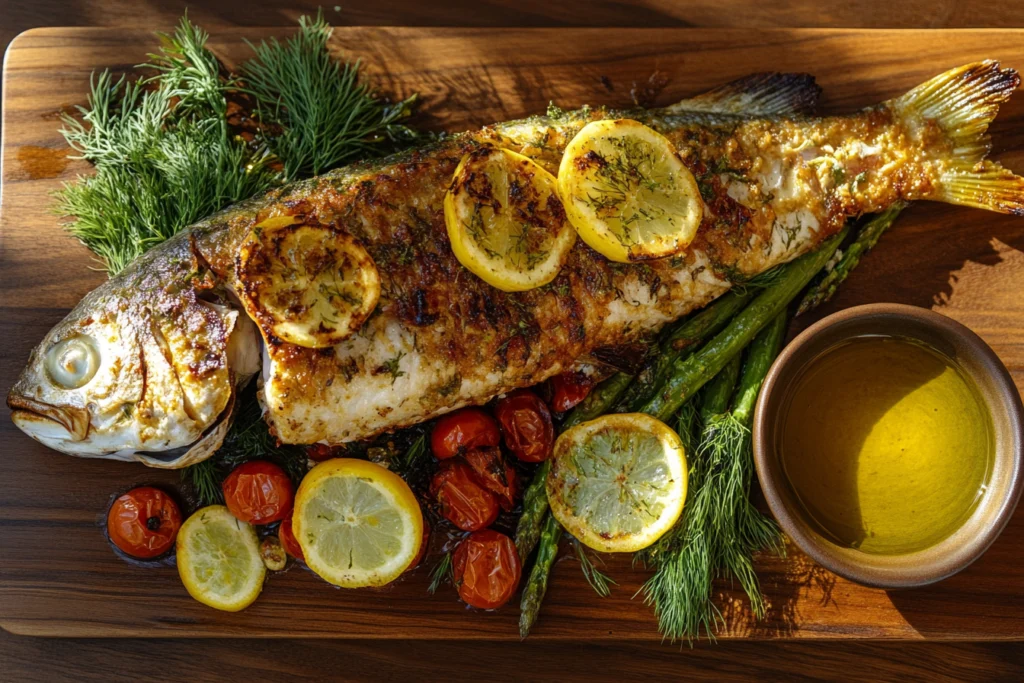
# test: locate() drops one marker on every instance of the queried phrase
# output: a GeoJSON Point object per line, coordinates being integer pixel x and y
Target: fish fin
{"type": "Point", "coordinates": [762, 94]}
{"type": "Point", "coordinates": [963, 102]}
{"type": "Point", "coordinates": [985, 185]}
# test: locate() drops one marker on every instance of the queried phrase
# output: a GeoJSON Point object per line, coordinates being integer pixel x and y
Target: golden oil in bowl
{"type": "Point", "coordinates": [886, 443]}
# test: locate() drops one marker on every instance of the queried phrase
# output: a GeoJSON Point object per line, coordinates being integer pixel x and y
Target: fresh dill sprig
{"type": "Point", "coordinates": [162, 153]}
{"type": "Point", "coordinates": [442, 571]}
{"type": "Point", "coordinates": [597, 579]}
{"type": "Point", "coordinates": [204, 479]}
{"type": "Point", "coordinates": [326, 116]}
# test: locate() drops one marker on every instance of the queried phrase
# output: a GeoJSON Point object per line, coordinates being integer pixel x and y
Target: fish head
{"type": "Point", "coordinates": [145, 368]}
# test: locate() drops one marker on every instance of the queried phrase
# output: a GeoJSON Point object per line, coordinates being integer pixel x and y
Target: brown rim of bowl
{"type": "Point", "coordinates": [999, 393]}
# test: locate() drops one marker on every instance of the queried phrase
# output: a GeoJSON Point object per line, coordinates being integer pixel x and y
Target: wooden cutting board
{"type": "Point", "coordinates": [58, 576]}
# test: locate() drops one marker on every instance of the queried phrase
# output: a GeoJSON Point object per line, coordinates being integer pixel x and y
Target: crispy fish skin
{"type": "Point", "coordinates": [775, 183]}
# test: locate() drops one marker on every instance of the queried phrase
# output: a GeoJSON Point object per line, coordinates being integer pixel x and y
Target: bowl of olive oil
{"type": "Point", "coordinates": [888, 442]}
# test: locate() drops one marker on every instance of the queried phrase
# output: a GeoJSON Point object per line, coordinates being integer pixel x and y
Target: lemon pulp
{"type": "Point", "coordinates": [627, 193]}
{"type": "Point", "coordinates": [618, 483]}
{"type": "Point", "coordinates": [219, 560]}
{"type": "Point", "coordinates": [358, 524]}
{"type": "Point", "coordinates": [505, 221]}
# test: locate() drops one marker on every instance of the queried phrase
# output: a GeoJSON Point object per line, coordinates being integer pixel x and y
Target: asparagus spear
{"type": "Point", "coordinates": [690, 374]}
{"type": "Point", "coordinates": [866, 239]}
{"type": "Point", "coordinates": [537, 584]}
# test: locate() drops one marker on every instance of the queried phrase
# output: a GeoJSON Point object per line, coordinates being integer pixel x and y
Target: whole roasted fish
{"type": "Point", "coordinates": [147, 366]}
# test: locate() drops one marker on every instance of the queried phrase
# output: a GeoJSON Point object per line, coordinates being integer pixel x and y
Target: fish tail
{"type": "Point", "coordinates": [963, 102]}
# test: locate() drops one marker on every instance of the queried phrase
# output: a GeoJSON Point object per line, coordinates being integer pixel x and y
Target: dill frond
{"type": "Point", "coordinates": [162, 153]}
{"type": "Point", "coordinates": [204, 479]}
{"type": "Point", "coordinates": [597, 579]}
{"type": "Point", "coordinates": [326, 115]}
{"type": "Point", "coordinates": [442, 572]}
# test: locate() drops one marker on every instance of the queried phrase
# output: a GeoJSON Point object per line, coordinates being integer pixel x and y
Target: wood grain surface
{"type": "Point", "coordinates": [57, 576]}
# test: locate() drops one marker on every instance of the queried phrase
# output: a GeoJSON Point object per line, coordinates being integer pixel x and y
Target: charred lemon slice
{"type": "Point", "coordinates": [219, 560]}
{"type": "Point", "coordinates": [505, 221]}
{"type": "Point", "coordinates": [618, 483]}
{"type": "Point", "coordinates": [627, 193]}
{"type": "Point", "coordinates": [306, 283]}
{"type": "Point", "coordinates": [358, 524]}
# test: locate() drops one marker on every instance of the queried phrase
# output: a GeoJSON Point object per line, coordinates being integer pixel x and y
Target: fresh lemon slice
{"type": "Point", "coordinates": [505, 220]}
{"type": "Point", "coordinates": [358, 524]}
{"type": "Point", "coordinates": [618, 483]}
{"type": "Point", "coordinates": [627, 193]}
{"type": "Point", "coordinates": [306, 283]}
{"type": "Point", "coordinates": [219, 559]}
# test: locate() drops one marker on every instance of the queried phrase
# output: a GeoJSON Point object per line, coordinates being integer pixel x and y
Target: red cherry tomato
{"type": "Point", "coordinates": [288, 540]}
{"type": "Point", "coordinates": [487, 569]}
{"type": "Point", "coordinates": [492, 472]}
{"type": "Point", "coordinates": [464, 502]}
{"type": "Point", "coordinates": [457, 432]}
{"type": "Point", "coordinates": [318, 452]}
{"type": "Point", "coordinates": [258, 492]}
{"type": "Point", "coordinates": [569, 389]}
{"type": "Point", "coordinates": [526, 425]}
{"type": "Point", "coordinates": [144, 522]}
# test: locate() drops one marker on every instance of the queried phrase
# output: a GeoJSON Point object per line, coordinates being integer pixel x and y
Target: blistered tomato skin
{"type": "Point", "coordinates": [463, 501]}
{"type": "Point", "coordinates": [318, 452]}
{"type": "Point", "coordinates": [569, 389]}
{"type": "Point", "coordinates": [526, 425]}
{"type": "Point", "coordinates": [487, 570]}
{"type": "Point", "coordinates": [492, 472]}
{"type": "Point", "coordinates": [259, 492]}
{"type": "Point", "coordinates": [461, 430]}
{"type": "Point", "coordinates": [144, 522]}
{"type": "Point", "coordinates": [288, 542]}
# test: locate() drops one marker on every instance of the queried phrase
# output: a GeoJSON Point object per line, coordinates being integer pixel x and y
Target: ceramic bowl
{"type": "Point", "coordinates": [999, 394]}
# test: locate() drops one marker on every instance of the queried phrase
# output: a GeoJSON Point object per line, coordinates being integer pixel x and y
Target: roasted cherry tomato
{"type": "Point", "coordinates": [288, 541]}
{"type": "Point", "coordinates": [258, 492]}
{"type": "Point", "coordinates": [457, 432]}
{"type": "Point", "coordinates": [487, 570]}
{"type": "Point", "coordinates": [318, 452]}
{"type": "Point", "coordinates": [464, 502]}
{"type": "Point", "coordinates": [492, 472]}
{"type": "Point", "coordinates": [569, 389]}
{"type": "Point", "coordinates": [144, 522]}
{"type": "Point", "coordinates": [526, 425]}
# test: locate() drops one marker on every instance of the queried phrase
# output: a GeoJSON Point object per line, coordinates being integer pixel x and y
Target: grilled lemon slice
{"type": "Point", "coordinates": [618, 483]}
{"type": "Point", "coordinates": [505, 220]}
{"type": "Point", "coordinates": [306, 283]}
{"type": "Point", "coordinates": [219, 559]}
{"type": "Point", "coordinates": [627, 193]}
{"type": "Point", "coordinates": [358, 524]}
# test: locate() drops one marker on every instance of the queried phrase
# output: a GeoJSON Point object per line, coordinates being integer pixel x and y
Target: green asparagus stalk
{"type": "Point", "coordinates": [867, 237]}
{"type": "Point", "coordinates": [690, 374]}
{"type": "Point", "coordinates": [535, 506]}
{"type": "Point", "coordinates": [681, 342]}
{"type": "Point", "coordinates": [537, 583]}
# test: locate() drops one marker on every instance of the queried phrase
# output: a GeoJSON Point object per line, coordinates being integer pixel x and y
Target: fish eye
{"type": "Point", "coordinates": [72, 363]}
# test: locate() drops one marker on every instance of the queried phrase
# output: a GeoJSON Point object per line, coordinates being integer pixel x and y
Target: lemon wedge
{"type": "Point", "coordinates": [306, 283]}
{"type": "Point", "coordinates": [618, 483]}
{"type": "Point", "coordinates": [505, 221]}
{"type": "Point", "coordinates": [627, 193]}
{"type": "Point", "coordinates": [358, 524]}
{"type": "Point", "coordinates": [219, 559]}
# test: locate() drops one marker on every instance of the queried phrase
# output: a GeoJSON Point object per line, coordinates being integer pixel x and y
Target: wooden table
{"type": "Point", "coordinates": [34, 659]}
